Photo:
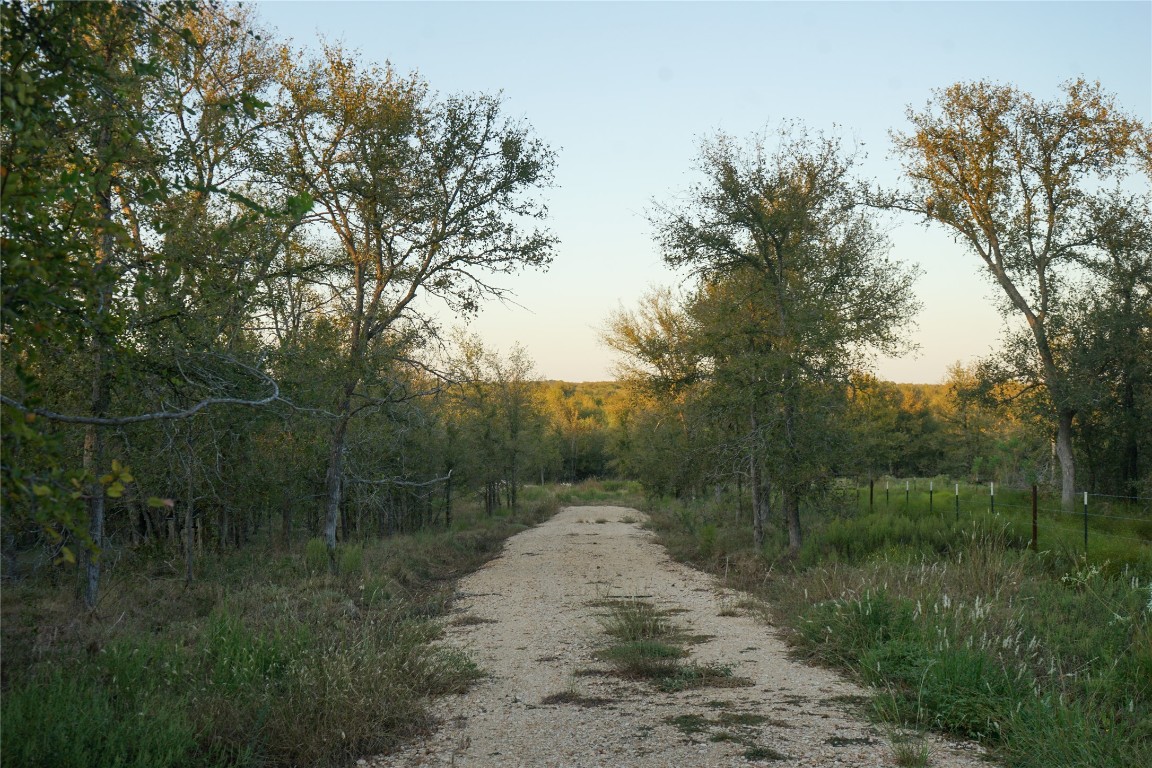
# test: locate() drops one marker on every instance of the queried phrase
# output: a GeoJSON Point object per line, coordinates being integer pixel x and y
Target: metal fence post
{"type": "Point", "coordinates": [930, 493]}
{"type": "Point", "coordinates": [957, 502]}
{"type": "Point", "coordinates": [992, 497]}
{"type": "Point", "coordinates": [1035, 537]}
{"type": "Point", "coordinates": [1085, 522]}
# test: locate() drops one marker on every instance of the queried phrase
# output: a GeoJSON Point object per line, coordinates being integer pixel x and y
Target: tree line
{"type": "Point", "coordinates": [222, 258]}
{"type": "Point", "coordinates": [756, 368]}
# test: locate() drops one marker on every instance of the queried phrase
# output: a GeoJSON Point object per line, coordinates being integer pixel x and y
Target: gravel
{"type": "Point", "coordinates": [533, 620]}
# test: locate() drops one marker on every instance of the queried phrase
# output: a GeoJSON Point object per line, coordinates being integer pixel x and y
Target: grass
{"type": "Point", "coordinates": [1044, 657]}
{"type": "Point", "coordinates": [265, 660]}
{"type": "Point", "coordinates": [650, 647]}
{"type": "Point", "coordinates": [618, 493]}
{"type": "Point", "coordinates": [736, 727]}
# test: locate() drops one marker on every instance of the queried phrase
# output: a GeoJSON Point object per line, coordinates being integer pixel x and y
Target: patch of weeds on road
{"type": "Point", "coordinates": [644, 659]}
{"type": "Point", "coordinates": [742, 718]}
{"type": "Point", "coordinates": [763, 753]}
{"type": "Point", "coordinates": [635, 619]}
{"type": "Point", "coordinates": [576, 699]}
{"type": "Point", "coordinates": [849, 741]}
{"type": "Point", "coordinates": [689, 724]}
{"type": "Point", "coordinates": [692, 676]}
{"type": "Point", "coordinates": [910, 750]}
{"type": "Point", "coordinates": [650, 648]}
{"type": "Point", "coordinates": [734, 727]}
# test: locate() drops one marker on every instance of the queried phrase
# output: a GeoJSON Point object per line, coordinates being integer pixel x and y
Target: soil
{"type": "Point", "coordinates": [534, 620]}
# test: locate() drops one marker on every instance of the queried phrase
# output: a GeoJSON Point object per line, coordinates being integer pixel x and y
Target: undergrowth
{"type": "Point", "coordinates": [265, 660]}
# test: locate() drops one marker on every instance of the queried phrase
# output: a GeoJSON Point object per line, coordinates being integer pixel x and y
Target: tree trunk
{"type": "Point", "coordinates": [1065, 457]}
{"type": "Point", "coordinates": [93, 458]}
{"type": "Point", "coordinates": [93, 461]}
{"type": "Point", "coordinates": [790, 502]}
{"type": "Point", "coordinates": [333, 482]}
{"type": "Point", "coordinates": [189, 517]}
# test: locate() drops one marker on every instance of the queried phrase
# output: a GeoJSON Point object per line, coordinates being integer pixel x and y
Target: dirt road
{"type": "Point", "coordinates": [534, 619]}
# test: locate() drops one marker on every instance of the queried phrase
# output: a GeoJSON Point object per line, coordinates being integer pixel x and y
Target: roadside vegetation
{"type": "Point", "coordinates": [267, 660]}
{"type": "Point", "coordinates": [1044, 657]}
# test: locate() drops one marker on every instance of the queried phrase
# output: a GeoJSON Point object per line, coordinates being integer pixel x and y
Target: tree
{"type": "Point", "coordinates": [93, 171]}
{"type": "Point", "coordinates": [496, 417]}
{"type": "Point", "coordinates": [1012, 177]}
{"type": "Point", "coordinates": [796, 291]}
{"type": "Point", "coordinates": [1109, 341]}
{"type": "Point", "coordinates": [417, 195]}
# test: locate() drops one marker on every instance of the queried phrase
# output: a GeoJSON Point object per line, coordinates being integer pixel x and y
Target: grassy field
{"type": "Point", "coordinates": [265, 660]}
{"type": "Point", "coordinates": [1045, 657]}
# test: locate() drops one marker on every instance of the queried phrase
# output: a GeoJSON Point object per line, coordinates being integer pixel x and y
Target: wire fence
{"type": "Point", "coordinates": [1110, 516]}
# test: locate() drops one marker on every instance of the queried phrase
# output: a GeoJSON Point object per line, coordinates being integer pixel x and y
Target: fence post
{"type": "Point", "coordinates": [957, 502]}
{"type": "Point", "coordinates": [930, 493]}
{"type": "Point", "coordinates": [448, 502]}
{"type": "Point", "coordinates": [1085, 523]}
{"type": "Point", "coordinates": [992, 497]}
{"type": "Point", "coordinates": [886, 494]}
{"type": "Point", "coordinates": [1035, 537]}
{"type": "Point", "coordinates": [907, 486]}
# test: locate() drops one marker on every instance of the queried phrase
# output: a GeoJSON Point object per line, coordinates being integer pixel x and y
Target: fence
{"type": "Point", "coordinates": [1095, 517]}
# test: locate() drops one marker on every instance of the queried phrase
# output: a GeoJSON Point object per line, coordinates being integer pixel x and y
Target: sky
{"type": "Point", "coordinates": [625, 92]}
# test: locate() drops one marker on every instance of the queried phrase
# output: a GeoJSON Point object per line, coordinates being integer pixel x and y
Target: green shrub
{"type": "Point", "coordinates": [315, 557]}
{"type": "Point", "coordinates": [351, 560]}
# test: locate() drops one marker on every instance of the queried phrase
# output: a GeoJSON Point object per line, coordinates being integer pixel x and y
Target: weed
{"type": "Point", "coordinates": [315, 557]}
{"type": "Point", "coordinates": [910, 753]}
{"type": "Point", "coordinates": [634, 619]}
{"type": "Point", "coordinates": [763, 753]}
{"type": "Point", "coordinates": [689, 724]}
{"type": "Point", "coordinates": [570, 696]}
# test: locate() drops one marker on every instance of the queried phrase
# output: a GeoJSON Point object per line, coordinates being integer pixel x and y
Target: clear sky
{"type": "Point", "coordinates": [625, 91]}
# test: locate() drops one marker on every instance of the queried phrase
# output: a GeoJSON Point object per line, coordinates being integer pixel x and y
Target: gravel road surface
{"type": "Point", "coordinates": [533, 620]}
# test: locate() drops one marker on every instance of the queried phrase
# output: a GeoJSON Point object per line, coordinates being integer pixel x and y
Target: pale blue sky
{"type": "Point", "coordinates": [624, 91]}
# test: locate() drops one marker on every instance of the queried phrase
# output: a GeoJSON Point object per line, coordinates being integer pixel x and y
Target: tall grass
{"type": "Point", "coordinates": [266, 660]}
{"type": "Point", "coordinates": [1045, 657]}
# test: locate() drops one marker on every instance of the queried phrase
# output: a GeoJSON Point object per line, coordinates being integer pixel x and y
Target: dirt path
{"type": "Point", "coordinates": [532, 619]}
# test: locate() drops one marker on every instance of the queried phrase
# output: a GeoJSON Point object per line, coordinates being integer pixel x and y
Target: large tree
{"type": "Point", "coordinates": [416, 194]}
{"type": "Point", "coordinates": [112, 113]}
{"type": "Point", "coordinates": [795, 292]}
{"type": "Point", "coordinates": [1013, 177]}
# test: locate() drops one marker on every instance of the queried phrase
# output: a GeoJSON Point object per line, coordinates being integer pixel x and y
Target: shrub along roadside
{"type": "Point", "coordinates": [262, 662]}
{"type": "Point", "coordinates": [1045, 658]}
